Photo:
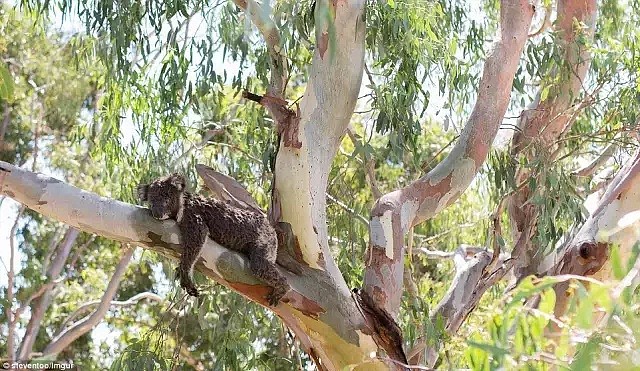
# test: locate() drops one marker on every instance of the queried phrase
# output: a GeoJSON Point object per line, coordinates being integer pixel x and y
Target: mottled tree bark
{"type": "Point", "coordinates": [546, 120]}
{"type": "Point", "coordinates": [396, 212]}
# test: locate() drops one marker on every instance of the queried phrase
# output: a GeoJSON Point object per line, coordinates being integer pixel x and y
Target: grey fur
{"type": "Point", "coordinates": [238, 229]}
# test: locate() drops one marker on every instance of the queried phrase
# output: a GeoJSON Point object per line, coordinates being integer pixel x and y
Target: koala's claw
{"type": "Point", "coordinates": [192, 291]}
{"type": "Point", "coordinates": [190, 288]}
{"type": "Point", "coordinates": [186, 284]}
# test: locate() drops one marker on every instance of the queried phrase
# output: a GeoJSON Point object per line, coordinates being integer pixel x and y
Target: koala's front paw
{"type": "Point", "coordinates": [189, 287]}
{"type": "Point", "coordinates": [186, 283]}
{"type": "Point", "coordinates": [192, 291]}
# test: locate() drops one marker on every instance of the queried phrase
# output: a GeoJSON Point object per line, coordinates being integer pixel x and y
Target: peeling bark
{"type": "Point", "coordinates": [328, 324]}
{"type": "Point", "coordinates": [395, 212]}
{"type": "Point", "coordinates": [223, 187]}
{"type": "Point", "coordinates": [287, 120]}
{"type": "Point", "coordinates": [387, 333]}
{"type": "Point", "coordinates": [544, 121]}
{"type": "Point", "coordinates": [616, 219]}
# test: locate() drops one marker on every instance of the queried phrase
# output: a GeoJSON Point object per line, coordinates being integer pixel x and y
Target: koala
{"type": "Point", "coordinates": [245, 231]}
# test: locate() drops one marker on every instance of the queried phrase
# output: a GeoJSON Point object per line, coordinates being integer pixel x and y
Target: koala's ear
{"type": "Point", "coordinates": [178, 181]}
{"type": "Point", "coordinates": [142, 191]}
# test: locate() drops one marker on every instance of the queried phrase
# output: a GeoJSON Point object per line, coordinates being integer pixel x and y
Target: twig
{"type": "Point", "coordinates": [597, 162]}
{"type": "Point", "coordinates": [44, 288]}
{"type": "Point", "coordinates": [369, 164]}
{"type": "Point", "coordinates": [358, 217]}
{"type": "Point", "coordinates": [11, 318]}
{"type": "Point", "coordinates": [114, 303]}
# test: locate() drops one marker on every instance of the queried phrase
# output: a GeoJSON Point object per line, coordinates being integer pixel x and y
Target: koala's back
{"type": "Point", "coordinates": [232, 227]}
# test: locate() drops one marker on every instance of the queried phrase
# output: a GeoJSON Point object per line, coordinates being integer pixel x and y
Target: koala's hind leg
{"type": "Point", "coordinates": [266, 270]}
{"type": "Point", "coordinates": [193, 234]}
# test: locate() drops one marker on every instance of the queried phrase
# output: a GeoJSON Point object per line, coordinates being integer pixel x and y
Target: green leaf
{"type": "Point", "coordinates": [584, 312]}
{"type": "Point", "coordinates": [584, 355]}
{"type": "Point", "coordinates": [547, 301]}
{"type": "Point", "coordinates": [544, 94]}
{"type": "Point", "coordinates": [616, 263]}
{"type": "Point", "coordinates": [489, 348]}
{"type": "Point", "coordinates": [6, 83]}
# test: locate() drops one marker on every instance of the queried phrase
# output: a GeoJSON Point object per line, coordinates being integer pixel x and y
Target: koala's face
{"type": "Point", "coordinates": [164, 196]}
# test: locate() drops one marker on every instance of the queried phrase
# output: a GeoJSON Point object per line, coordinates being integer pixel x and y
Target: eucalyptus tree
{"type": "Point", "coordinates": [560, 76]}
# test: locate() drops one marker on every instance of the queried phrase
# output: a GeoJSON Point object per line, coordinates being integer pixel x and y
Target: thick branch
{"type": "Point", "coordinates": [85, 325]}
{"type": "Point", "coordinates": [42, 303]}
{"type": "Point", "coordinates": [328, 324]}
{"type": "Point", "coordinates": [547, 119]}
{"type": "Point", "coordinates": [396, 212]}
{"type": "Point", "coordinates": [277, 58]}
{"type": "Point", "coordinates": [301, 174]}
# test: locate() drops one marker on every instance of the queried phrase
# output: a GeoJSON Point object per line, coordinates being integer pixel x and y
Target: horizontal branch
{"type": "Point", "coordinates": [328, 324]}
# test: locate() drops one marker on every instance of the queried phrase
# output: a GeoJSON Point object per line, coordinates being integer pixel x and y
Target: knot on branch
{"type": "Point", "coordinates": [289, 252]}
{"type": "Point", "coordinates": [287, 120]}
{"type": "Point", "coordinates": [584, 258]}
{"type": "Point", "coordinates": [587, 251]}
{"type": "Point", "coordinates": [592, 256]}
{"type": "Point", "coordinates": [386, 332]}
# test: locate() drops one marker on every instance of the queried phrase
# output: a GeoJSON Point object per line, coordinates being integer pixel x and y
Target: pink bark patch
{"type": "Point", "coordinates": [256, 293]}
{"type": "Point", "coordinates": [323, 44]}
{"type": "Point", "coordinates": [305, 305]}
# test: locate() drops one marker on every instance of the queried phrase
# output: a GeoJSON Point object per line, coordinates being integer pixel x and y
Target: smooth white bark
{"type": "Point", "coordinates": [328, 324]}
{"type": "Point", "coordinates": [325, 111]}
